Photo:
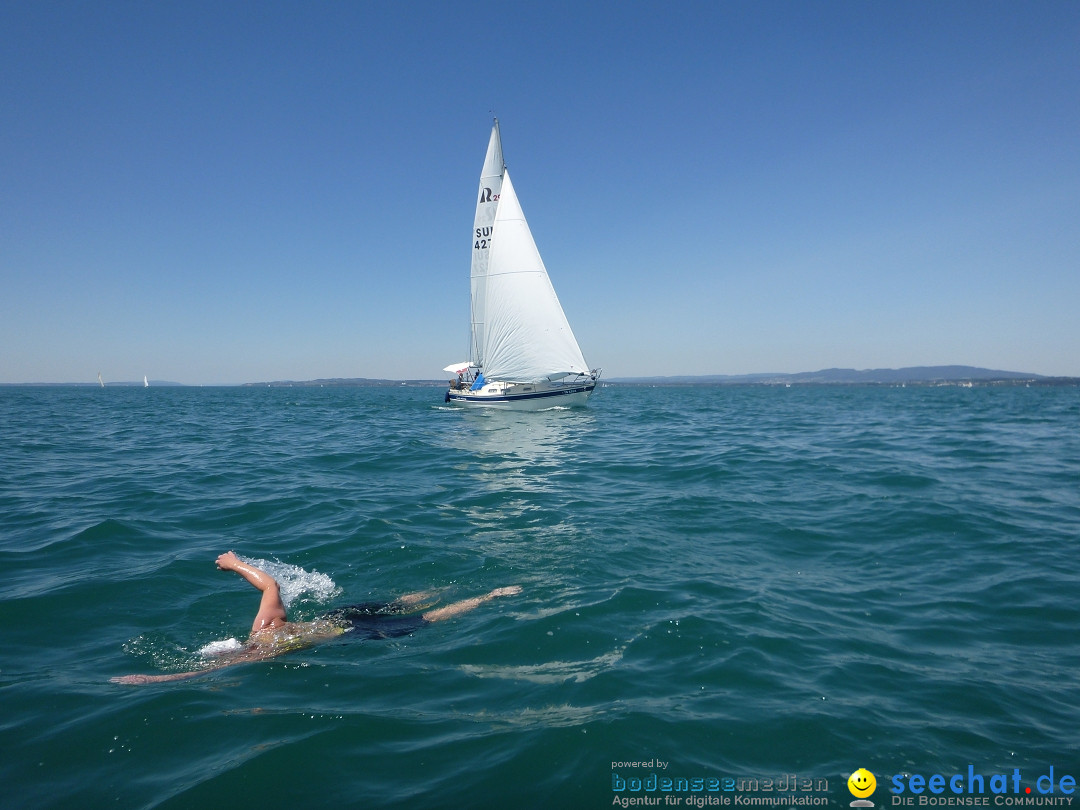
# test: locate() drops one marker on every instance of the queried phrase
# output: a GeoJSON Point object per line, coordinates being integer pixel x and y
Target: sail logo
{"type": "Point", "coordinates": [487, 196]}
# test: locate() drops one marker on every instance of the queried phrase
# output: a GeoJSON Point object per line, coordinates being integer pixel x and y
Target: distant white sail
{"type": "Point", "coordinates": [101, 381]}
{"type": "Point", "coordinates": [145, 382]}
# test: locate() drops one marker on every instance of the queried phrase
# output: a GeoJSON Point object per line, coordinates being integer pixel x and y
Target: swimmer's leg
{"type": "Point", "coordinates": [418, 600]}
{"type": "Point", "coordinates": [419, 596]}
{"type": "Point", "coordinates": [465, 605]}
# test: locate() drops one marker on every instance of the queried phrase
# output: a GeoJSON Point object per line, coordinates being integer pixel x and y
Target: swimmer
{"type": "Point", "coordinates": [272, 633]}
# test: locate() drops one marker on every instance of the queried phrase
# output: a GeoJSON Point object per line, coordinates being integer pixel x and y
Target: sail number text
{"type": "Point", "coordinates": [483, 238]}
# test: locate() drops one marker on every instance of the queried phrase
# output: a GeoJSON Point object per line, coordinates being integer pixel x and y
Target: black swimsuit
{"type": "Point", "coordinates": [374, 620]}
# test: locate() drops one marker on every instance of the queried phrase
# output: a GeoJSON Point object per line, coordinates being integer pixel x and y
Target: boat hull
{"type": "Point", "coordinates": [518, 397]}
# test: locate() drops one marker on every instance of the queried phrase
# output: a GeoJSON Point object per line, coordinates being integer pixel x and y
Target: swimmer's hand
{"type": "Point", "coordinates": [228, 561]}
{"type": "Point", "coordinates": [512, 590]}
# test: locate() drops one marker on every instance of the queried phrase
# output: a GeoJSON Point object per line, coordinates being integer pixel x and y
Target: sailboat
{"type": "Point", "coordinates": [523, 353]}
{"type": "Point", "coordinates": [145, 382]}
{"type": "Point", "coordinates": [101, 382]}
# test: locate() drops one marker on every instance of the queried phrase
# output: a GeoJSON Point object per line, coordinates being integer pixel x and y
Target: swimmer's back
{"type": "Point", "coordinates": [376, 620]}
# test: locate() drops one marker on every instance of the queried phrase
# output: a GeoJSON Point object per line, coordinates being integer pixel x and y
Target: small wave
{"type": "Point", "coordinates": [552, 671]}
{"type": "Point", "coordinates": [294, 581]}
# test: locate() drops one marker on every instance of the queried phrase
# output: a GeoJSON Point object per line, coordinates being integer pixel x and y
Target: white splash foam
{"type": "Point", "coordinates": [294, 581]}
{"type": "Point", "coordinates": [219, 647]}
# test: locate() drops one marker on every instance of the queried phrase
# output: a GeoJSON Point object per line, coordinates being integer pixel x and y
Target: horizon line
{"type": "Point", "coordinates": [938, 373]}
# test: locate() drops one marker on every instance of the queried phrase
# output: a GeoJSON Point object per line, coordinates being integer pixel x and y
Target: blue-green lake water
{"type": "Point", "coordinates": [718, 582]}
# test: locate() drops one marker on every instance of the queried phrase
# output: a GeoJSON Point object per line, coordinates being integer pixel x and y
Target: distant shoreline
{"type": "Point", "coordinates": [915, 376]}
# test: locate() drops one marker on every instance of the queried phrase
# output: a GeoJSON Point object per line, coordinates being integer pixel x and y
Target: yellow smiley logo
{"type": "Point", "coordinates": [861, 783]}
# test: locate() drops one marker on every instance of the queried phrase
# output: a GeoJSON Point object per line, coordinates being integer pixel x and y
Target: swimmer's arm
{"type": "Point", "coordinates": [174, 676]}
{"type": "Point", "coordinates": [244, 657]}
{"type": "Point", "coordinates": [307, 634]}
{"type": "Point", "coordinates": [271, 609]}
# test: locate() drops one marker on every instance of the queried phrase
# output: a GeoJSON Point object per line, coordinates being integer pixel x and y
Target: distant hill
{"type": "Point", "coordinates": [340, 382]}
{"type": "Point", "coordinates": [914, 375]}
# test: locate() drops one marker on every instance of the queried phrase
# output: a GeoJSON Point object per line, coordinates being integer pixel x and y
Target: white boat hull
{"type": "Point", "coordinates": [525, 396]}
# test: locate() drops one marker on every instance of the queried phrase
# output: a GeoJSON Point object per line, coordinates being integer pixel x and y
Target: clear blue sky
{"type": "Point", "coordinates": [223, 192]}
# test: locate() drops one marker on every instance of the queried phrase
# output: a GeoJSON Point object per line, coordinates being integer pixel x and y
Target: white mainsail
{"type": "Point", "coordinates": [520, 333]}
{"type": "Point", "coordinates": [483, 225]}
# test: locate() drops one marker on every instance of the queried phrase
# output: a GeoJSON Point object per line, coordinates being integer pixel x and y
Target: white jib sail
{"type": "Point", "coordinates": [526, 336]}
{"type": "Point", "coordinates": [483, 227]}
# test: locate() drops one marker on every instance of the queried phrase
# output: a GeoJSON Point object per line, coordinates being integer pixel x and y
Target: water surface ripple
{"type": "Point", "coordinates": [740, 581]}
